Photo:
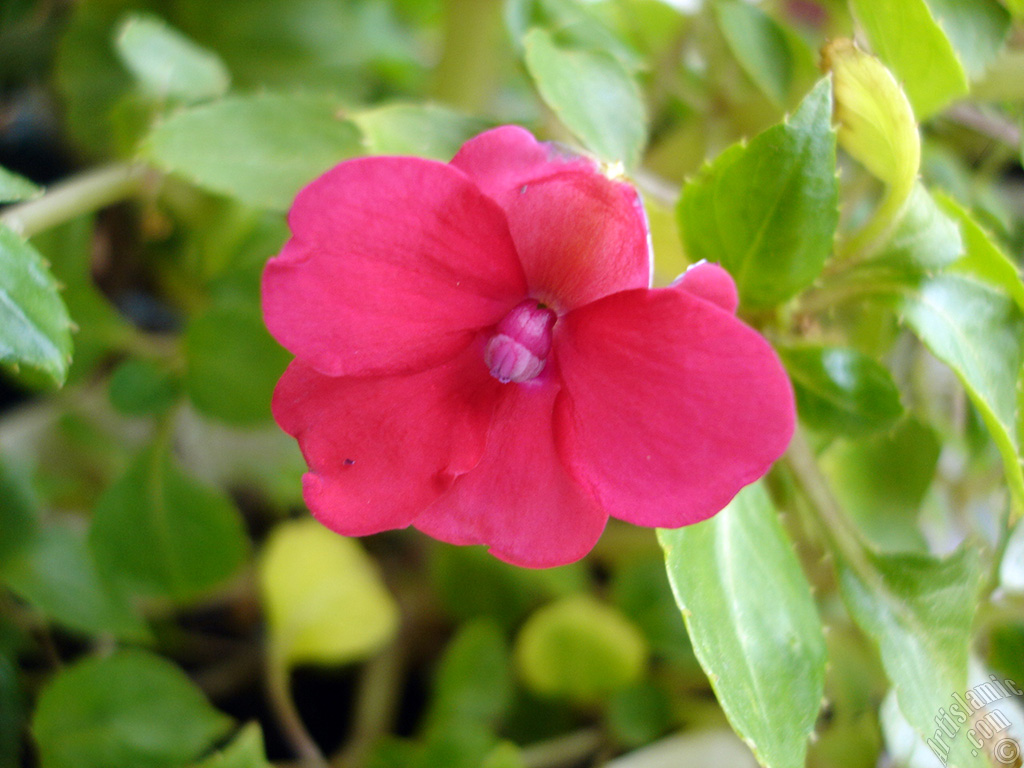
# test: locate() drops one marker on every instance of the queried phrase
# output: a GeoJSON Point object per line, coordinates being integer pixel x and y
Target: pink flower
{"type": "Point", "coordinates": [479, 355]}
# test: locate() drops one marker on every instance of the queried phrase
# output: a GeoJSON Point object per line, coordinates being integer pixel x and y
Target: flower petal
{"type": "Point", "coordinates": [580, 235]}
{"type": "Point", "coordinates": [393, 266]}
{"type": "Point", "coordinates": [674, 405]}
{"type": "Point", "coordinates": [519, 500]}
{"type": "Point", "coordinates": [381, 450]}
{"type": "Point", "coordinates": [712, 283]}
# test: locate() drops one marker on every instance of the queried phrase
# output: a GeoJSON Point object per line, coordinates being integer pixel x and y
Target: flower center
{"type": "Point", "coordinates": [519, 348]}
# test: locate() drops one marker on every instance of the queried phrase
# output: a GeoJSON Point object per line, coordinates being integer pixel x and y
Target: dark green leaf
{"type": "Point", "coordinates": [233, 365]}
{"type": "Point", "coordinates": [159, 532]}
{"type": "Point", "coordinates": [918, 610]}
{"type": "Point", "coordinates": [57, 575]}
{"type": "Point", "coordinates": [259, 149]}
{"type": "Point", "coordinates": [640, 590]}
{"type": "Point", "coordinates": [592, 94]}
{"type": "Point", "coordinates": [842, 390]}
{"type": "Point", "coordinates": [132, 708]}
{"type": "Point", "coordinates": [35, 330]}
{"type": "Point", "coordinates": [768, 211]}
{"type": "Point", "coordinates": [167, 64]}
{"type": "Point", "coordinates": [765, 658]}
{"type": "Point", "coordinates": [639, 714]}
{"type": "Point", "coordinates": [12, 711]}
{"type": "Point", "coordinates": [140, 388]}
{"type": "Point", "coordinates": [18, 515]}
{"type": "Point", "coordinates": [14, 187]}
{"type": "Point", "coordinates": [244, 751]}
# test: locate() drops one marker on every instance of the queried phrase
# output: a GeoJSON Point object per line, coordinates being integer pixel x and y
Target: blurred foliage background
{"type": "Point", "coordinates": [164, 598]}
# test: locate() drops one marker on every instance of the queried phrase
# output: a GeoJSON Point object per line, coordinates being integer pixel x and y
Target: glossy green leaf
{"type": "Point", "coordinates": [842, 390]}
{"type": "Point", "coordinates": [473, 686]}
{"type": "Point", "coordinates": [923, 240]}
{"type": "Point", "coordinates": [131, 708]}
{"type": "Point", "coordinates": [423, 130]}
{"type": "Point", "coordinates": [881, 481]}
{"type": "Point", "coordinates": [245, 751]}
{"type": "Point", "coordinates": [14, 188]}
{"type": "Point", "coordinates": [773, 58]}
{"type": "Point", "coordinates": [233, 364]}
{"type": "Point", "coordinates": [978, 332]}
{"type": "Point", "coordinates": [592, 94]}
{"type": "Point", "coordinates": [579, 649]}
{"type": "Point", "coordinates": [765, 658]}
{"type": "Point", "coordinates": [258, 149]}
{"type": "Point", "coordinates": [141, 388]}
{"type": "Point", "coordinates": [323, 596]}
{"type": "Point", "coordinates": [918, 610]}
{"type": "Point", "coordinates": [767, 211]}
{"type": "Point", "coordinates": [976, 29]}
{"type": "Point", "coordinates": [57, 575]}
{"type": "Point", "coordinates": [161, 533]}
{"type": "Point", "coordinates": [924, 62]}
{"type": "Point", "coordinates": [35, 330]}
{"type": "Point", "coordinates": [167, 64]}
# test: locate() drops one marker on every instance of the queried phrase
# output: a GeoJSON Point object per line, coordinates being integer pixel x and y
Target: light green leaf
{"type": "Point", "coordinates": [14, 188]}
{"type": "Point", "coordinates": [259, 149]}
{"type": "Point", "coordinates": [161, 533]}
{"type": "Point", "coordinates": [323, 596]}
{"type": "Point", "coordinates": [976, 29]}
{"type": "Point", "coordinates": [167, 64]}
{"type": "Point", "coordinates": [245, 751]}
{"type": "Point", "coordinates": [579, 649]}
{"type": "Point", "coordinates": [842, 390]}
{"type": "Point", "coordinates": [57, 575]}
{"type": "Point", "coordinates": [924, 61]}
{"type": "Point", "coordinates": [593, 94]}
{"type": "Point", "coordinates": [768, 211]}
{"type": "Point", "coordinates": [923, 240]}
{"type": "Point", "coordinates": [131, 708]}
{"type": "Point", "coordinates": [918, 610]}
{"type": "Point", "coordinates": [765, 658]}
{"type": "Point", "coordinates": [35, 330]}
{"type": "Point", "coordinates": [424, 130]}
{"type": "Point", "coordinates": [772, 58]}
{"type": "Point", "coordinates": [978, 332]}
{"type": "Point", "coordinates": [233, 364]}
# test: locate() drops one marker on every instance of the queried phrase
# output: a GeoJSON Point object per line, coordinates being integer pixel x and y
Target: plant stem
{"type": "Point", "coordinates": [465, 74]}
{"type": "Point", "coordinates": [78, 195]}
{"type": "Point", "coordinates": [375, 705]}
{"type": "Point", "coordinates": [563, 750]}
{"type": "Point", "coordinates": [279, 695]}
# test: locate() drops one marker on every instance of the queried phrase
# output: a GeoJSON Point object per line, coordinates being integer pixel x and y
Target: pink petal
{"type": "Point", "coordinates": [580, 235]}
{"type": "Point", "coordinates": [519, 500]}
{"type": "Point", "coordinates": [674, 405]}
{"type": "Point", "coordinates": [381, 450]}
{"type": "Point", "coordinates": [393, 266]}
{"type": "Point", "coordinates": [712, 283]}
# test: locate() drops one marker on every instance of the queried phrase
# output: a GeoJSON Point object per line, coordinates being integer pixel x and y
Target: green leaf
{"type": "Point", "coordinates": [978, 332]}
{"type": "Point", "coordinates": [473, 685]}
{"type": "Point", "coordinates": [18, 515]}
{"type": "Point", "coordinates": [640, 590]}
{"type": "Point", "coordinates": [141, 388]}
{"type": "Point", "coordinates": [924, 61]}
{"type": "Point", "coordinates": [592, 94]}
{"type": "Point", "coordinates": [767, 211]}
{"type": "Point", "coordinates": [167, 64]}
{"type": "Point", "coordinates": [842, 390]}
{"type": "Point", "coordinates": [324, 599]}
{"type": "Point", "coordinates": [35, 330]}
{"type": "Point", "coordinates": [259, 149]}
{"type": "Point", "coordinates": [924, 238]}
{"type": "Point", "coordinates": [639, 714]}
{"type": "Point", "coordinates": [918, 610]}
{"type": "Point", "coordinates": [15, 188]}
{"type": "Point", "coordinates": [881, 481]}
{"type": "Point", "coordinates": [131, 708]}
{"type": "Point", "coordinates": [765, 658]}
{"type": "Point", "coordinates": [57, 575]}
{"type": "Point", "coordinates": [233, 364]}
{"type": "Point", "coordinates": [775, 60]}
{"type": "Point", "coordinates": [245, 751]}
{"type": "Point", "coordinates": [12, 712]}
{"type": "Point", "coordinates": [976, 29]}
{"type": "Point", "coordinates": [423, 130]}
{"type": "Point", "coordinates": [579, 649]}
{"type": "Point", "coordinates": [505, 755]}
{"type": "Point", "coordinates": [161, 533]}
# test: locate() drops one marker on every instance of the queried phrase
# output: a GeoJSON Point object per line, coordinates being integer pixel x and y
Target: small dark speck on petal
{"type": "Point", "coordinates": [349, 462]}
{"type": "Point", "coordinates": [522, 189]}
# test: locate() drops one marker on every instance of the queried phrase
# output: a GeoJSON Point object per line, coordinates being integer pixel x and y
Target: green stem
{"type": "Point", "coordinates": [84, 193]}
{"type": "Point", "coordinates": [375, 707]}
{"type": "Point", "coordinates": [570, 749]}
{"type": "Point", "coordinates": [279, 695]}
{"type": "Point", "coordinates": [465, 74]}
